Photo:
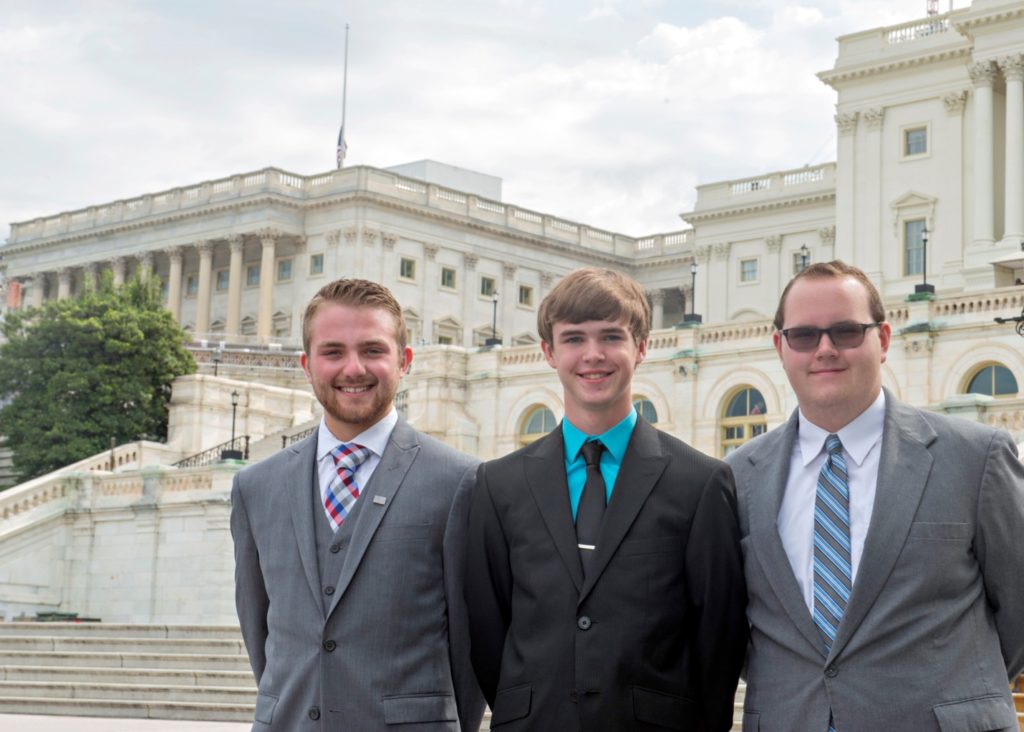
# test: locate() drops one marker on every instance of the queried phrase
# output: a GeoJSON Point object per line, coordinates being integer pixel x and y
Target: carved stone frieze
{"type": "Point", "coordinates": [1013, 67]}
{"type": "Point", "coordinates": [983, 73]}
{"type": "Point", "coordinates": [470, 260]}
{"type": "Point", "coordinates": [955, 101]}
{"type": "Point", "coordinates": [431, 250]}
{"type": "Point", "coordinates": [702, 253]}
{"type": "Point", "coordinates": [846, 122]}
{"type": "Point", "coordinates": [873, 118]}
{"type": "Point", "coordinates": [388, 240]}
{"type": "Point", "coordinates": [509, 271]}
{"type": "Point", "coordinates": [722, 250]}
{"type": "Point", "coordinates": [827, 234]}
{"type": "Point", "coordinates": [774, 243]}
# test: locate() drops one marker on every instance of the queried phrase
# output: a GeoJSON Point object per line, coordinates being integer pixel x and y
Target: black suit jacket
{"type": "Point", "coordinates": [653, 638]}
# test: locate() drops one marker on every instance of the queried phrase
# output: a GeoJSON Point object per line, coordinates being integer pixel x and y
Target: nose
{"type": "Point", "coordinates": [825, 346]}
{"type": "Point", "coordinates": [353, 366]}
{"type": "Point", "coordinates": [592, 350]}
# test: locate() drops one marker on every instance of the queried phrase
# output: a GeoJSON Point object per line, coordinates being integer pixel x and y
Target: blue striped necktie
{"type": "Point", "coordinates": [833, 572]}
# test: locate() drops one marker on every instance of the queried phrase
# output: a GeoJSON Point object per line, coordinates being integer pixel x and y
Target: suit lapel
{"type": "Point", "coordinates": [903, 470]}
{"type": "Point", "coordinates": [771, 460]}
{"type": "Point", "coordinates": [642, 465]}
{"type": "Point", "coordinates": [385, 483]}
{"type": "Point", "coordinates": [545, 477]}
{"type": "Point", "coordinates": [303, 462]}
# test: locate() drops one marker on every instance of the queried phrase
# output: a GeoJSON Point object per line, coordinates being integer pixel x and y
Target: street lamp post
{"type": "Point", "coordinates": [692, 316]}
{"type": "Point", "coordinates": [232, 453]}
{"type": "Point", "coordinates": [494, 340]}
{"type": "Point", "coordinates": [924, 286]}
{"type": "Point", "coordinates": [805, 257]}
{"type": "Point", "coordinates": [217, 355]}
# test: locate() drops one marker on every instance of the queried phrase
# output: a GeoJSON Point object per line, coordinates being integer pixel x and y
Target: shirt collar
{"type": "Point", "coordinates": [375, 438]}
{"type": "Point", "coordinates": [858, 437]}
{"type": "Point", "coordinates": [615, 440]}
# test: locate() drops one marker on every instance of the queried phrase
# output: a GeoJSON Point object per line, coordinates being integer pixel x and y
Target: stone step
{"type": "Point", "coordinates": [212, 712]}
{"type": "Point", "coordinates": [120, 675]}
{"type": "Point", "coordinates": [120, 630]}
{"type": "Point", "coordinates": [72, 644]}
{"type": "Point", "coordinates": [100, 659]}
{"type": "Point", "coordinates": [128, 692]}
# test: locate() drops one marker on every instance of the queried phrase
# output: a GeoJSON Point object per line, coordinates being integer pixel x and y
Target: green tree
{"type": "Point", "coordinates": [77, 372]}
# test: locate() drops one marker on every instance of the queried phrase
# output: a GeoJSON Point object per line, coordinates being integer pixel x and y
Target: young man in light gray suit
{"type": "Point", "coordinates": [882, 543]}
{"type": "Point", "coordinates": [349, 545]}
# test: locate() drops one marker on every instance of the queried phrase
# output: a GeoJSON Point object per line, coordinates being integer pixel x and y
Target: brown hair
{"type": "Point", "coordinates": [359, 294]}
{"type": "Point", "coordinates": [595, 294]}
{"type": "Point", "coordinates": [836, 268]}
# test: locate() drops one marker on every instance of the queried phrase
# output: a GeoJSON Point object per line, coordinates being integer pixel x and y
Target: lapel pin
{"type": "Point", "coordinates": [379, 500]}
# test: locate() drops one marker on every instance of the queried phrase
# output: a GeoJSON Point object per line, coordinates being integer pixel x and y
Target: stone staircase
{"type": "Point", "coordinates": [1018, 701]}
{"type": "Point", "coordinates": [181, 672]}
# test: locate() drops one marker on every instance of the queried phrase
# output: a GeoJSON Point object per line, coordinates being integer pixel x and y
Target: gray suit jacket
{"type": "Point", "coordinates": [393, 647]}
{"type": "Point", "coordinates": [935, 624]}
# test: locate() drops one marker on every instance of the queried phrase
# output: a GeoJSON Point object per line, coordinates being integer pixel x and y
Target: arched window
{"type": "Point", "coordinates": [537, 422]}
{"type": "Point", "coordinates": [645, 408]}
{"type": "Point", "coordinates": [993, 380]}
{"type": "Point", "coordinates": [743, 418]}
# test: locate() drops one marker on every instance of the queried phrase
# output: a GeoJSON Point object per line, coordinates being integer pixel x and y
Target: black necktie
{"type": "Point", "coordinates": [590, 511]}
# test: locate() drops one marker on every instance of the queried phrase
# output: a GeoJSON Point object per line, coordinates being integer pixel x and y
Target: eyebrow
{"type": "Point", "coordinates": [361, 344]}
{"type": "Point", "coordinates": [616, 330]}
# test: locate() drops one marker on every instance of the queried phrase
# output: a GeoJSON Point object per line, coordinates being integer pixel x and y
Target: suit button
{"type": "Point", "coordinates": [335, 548]}
{"type": "Point", "coordinates": [329, 645]}
{"type": "Point", "coordinates": [831, 672]}
{"type": "Point", "coordinates": [314, 713]}
{"type": "Point", "coordinates": [583, 622]}
{"type": "Point", "coordinates": [328, 590]}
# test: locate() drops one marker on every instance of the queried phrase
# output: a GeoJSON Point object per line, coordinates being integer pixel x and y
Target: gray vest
{"type": "Point", "coordinates": [331, 546]}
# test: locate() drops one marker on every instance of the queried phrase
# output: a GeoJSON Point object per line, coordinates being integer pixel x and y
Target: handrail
{"type": "Point", "coordinates": [214, 454]}
{"type": "Point", "coordinates": [287, 440]}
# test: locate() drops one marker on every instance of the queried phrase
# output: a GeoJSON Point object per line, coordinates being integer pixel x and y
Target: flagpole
{"type": "Point", "coordinates": [342, 145]}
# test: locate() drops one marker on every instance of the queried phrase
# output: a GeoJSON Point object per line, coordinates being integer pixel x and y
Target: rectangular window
{"type": "Point", "coordinates": [448, 278]}
{"type": "Point", "coordinates": [487, 286]}
{"type": "Point", "coordinates": [913, 247]}
{"type": "Point", "coordinates": [192, 286]}
{"type": "Point", "coordinates": [284, 270]}
{"type": "Point", "coordinates": [444, 340]}
{"type": "Point", "coordinates": [407, 269]}
{"type": "Point", "coordinates": [223, 278]}
{"type": "Point", "coordinates": [526, 295]}
{"type": "Point", "coordinates": [316, 264]}
{"type": "Point", "coordinates": [915, 141]}
{"type": "Point", "coordinates": [748, 270]}
{"type": "Point", "coordinates": [252, 275]}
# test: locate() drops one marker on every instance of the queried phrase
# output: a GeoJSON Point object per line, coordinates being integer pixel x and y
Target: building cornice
{"type": "Point", "coordinates": [694, 217]}
{"type": "Point", "coordinates": [834, 77]}
{"type": "Point", "coordinates": [973, 20]}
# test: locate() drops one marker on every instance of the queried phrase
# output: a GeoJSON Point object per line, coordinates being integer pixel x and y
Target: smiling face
{"type": "Point", "coordinates": [595, 361]}
{"type": "Point", "coordinates": [832, 385]}
{"type": "Point", "coordinates": [354, 363]}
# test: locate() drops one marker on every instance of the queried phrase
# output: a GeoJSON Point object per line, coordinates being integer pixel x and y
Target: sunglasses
{"type": "Point", "coordinates": [804, 338]}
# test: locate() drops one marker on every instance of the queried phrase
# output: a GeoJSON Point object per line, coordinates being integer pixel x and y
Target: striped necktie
{"type": "Point", "coordinates": [343, 490]}
{"type": "Point", "coordinates": [833, 576]}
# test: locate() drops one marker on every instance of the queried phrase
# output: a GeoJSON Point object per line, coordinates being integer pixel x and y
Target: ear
{"type": "Point", "coordinates": [777, 342]}
{"type": "Point", "coordinates": [403, 369]}
{"type": "Point", "coordinates": [304, 360]}
{"type": "Point", "coordinates": [641, 352]}
{"type": "Point", "coordinates": [549, 354]}
{"type": "Point", "coordinates": [885, 338]}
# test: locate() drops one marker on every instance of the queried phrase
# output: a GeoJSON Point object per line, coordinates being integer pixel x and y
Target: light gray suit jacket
{"type": "Point", "coordinates": [935, 625]}
{"type": "Point", "coordinates": [393, 647]}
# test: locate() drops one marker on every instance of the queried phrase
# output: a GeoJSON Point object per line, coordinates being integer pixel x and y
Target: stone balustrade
{"type": "Point", "coordinates": [810, 179]}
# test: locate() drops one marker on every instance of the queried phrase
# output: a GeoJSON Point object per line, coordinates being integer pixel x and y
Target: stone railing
{"type": "Point", "coordinates": [781, 183]}
{"type": "Point", "coordinates": [351, 181]}
{"type": "Point", "coordinates": [1004, 301]}
{"type": "Point", "coordinates": [760, 330]}
{"type": "Point", "coordinates": [916, 29]}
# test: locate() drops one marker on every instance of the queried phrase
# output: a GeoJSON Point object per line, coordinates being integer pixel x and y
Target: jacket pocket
{"type": "Point", "coordinates": [665, 710]}
{"type": "Point", "coordinates": [933, 531]}
{"type": "Point", "coordinates": [265, 705]}
{"type": "Point", "coordinates": [751, 722]}
{"type": "Point", "coordinates": [410, 708]}
{"type": "Point", "coordinates": [511, 704]}
{"type": "Point", "coordinates": [982, 714]}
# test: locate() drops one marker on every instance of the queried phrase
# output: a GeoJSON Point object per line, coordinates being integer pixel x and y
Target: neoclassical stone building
{"type": "Point", "coordinates": [927, 188]}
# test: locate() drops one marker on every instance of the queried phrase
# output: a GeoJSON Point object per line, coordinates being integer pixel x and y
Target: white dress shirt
{"type": "Point", "coordinates": [862, 445]}
{"type": "Point", "coordinates": [375, 439]}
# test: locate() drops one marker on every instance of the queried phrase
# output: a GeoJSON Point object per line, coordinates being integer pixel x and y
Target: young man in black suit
{"type": "Point", "coordinates": [605, 585]}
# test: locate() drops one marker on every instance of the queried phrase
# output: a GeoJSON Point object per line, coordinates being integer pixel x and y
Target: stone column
{"type": "Point", "coordinates": [205, 282]}
{"type": "Point", "coordinates": [91, 276]}
{"type": "Point", "coordinates": [657, 309]}
{"type": "Point", "coordinates": [63, 283]}
{"type": "Point", "coordinates": [509, 298]}
{"type": "Point", "coordinates": [871, 258]}
{"type": "Point", "coordinates": [118, 266]}
{"type": "Point", "coordinates": [846, 186]}
{"type": "Point", "coordinates": [1013, 72]}
{"type": "Point", "coordinates": [469, 290]}
{"type": "Point", "coordinates": [38, 285]}
{"type": "Point", "coordinates": [716, 271]}
{"type": "Point", "coordinates": [702, 256]}
{"type": "Point", "coordinates": [174, 255]}
{"type": "Point", "coordinates": [265, 313]}
{"type": "Point", "coordinates": [233, 326]}
{"type": "Point", "coordinates": [430, 285]}
{"type": "Point", "coordinates": [983, 75]}
{"type": "Point", "coordinates": [146, 268]}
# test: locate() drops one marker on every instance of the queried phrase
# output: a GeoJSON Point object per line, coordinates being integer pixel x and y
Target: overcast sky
{"type": "Point", "coordinates": [608, 112]}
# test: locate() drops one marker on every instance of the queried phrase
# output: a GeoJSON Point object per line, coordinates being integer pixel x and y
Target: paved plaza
{"type": "Point", "coordinates": [46, 723]}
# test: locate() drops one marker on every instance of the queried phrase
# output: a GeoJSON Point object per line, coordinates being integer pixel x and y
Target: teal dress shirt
{"type": "Point", "coordinates": [615, 440]}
